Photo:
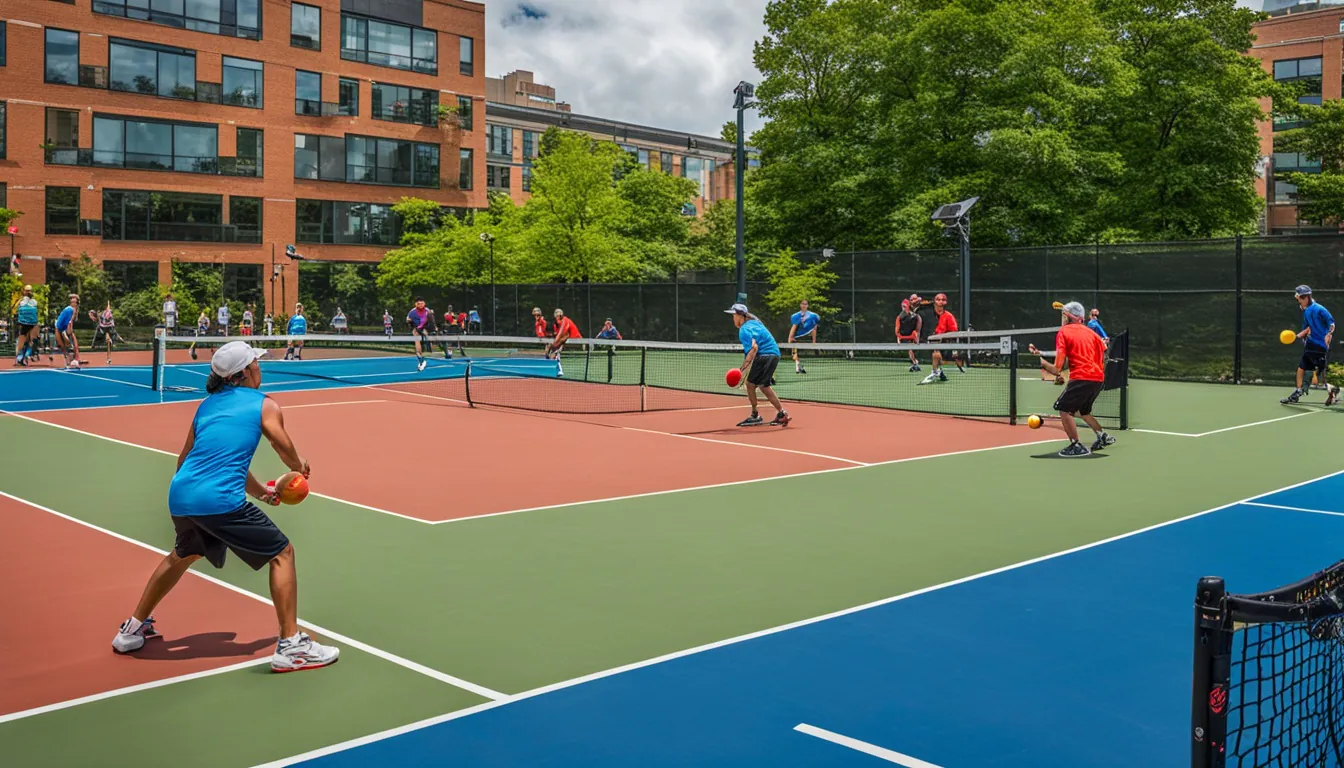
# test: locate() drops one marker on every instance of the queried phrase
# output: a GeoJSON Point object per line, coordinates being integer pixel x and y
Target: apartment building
{"type": "Point", "coordinates": [521, 89]}
{"type": "Point", "coordinates": [144, 132]}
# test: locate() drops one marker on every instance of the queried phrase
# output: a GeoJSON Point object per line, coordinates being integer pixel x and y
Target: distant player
{"type": "Point", "coordinates": [65, 333]}
{"type": "Point", "coordinates": [339, 322]}
{"type": "Point", "coordinates": [946, 324]}
{"type": "Point", "coordinates": [539, 323]}
{"type": "Point", "coordinates": [453, 327]}
{"type": "Point", "coordinates": [170, 313]}
{"type": "Point", "coordinates": [1085, 355]}
{"type": "Point", "coordinates": [759, 364]}
{"type": "Point", "coordinates": [248, 320]}
{"type": "Point", "coordinates": [421, 320]}
{"type": "Point", "coordinates": [474, 321]}
{"type": "Point", "coordinates": [909, 325]}
{"type": "Point", "coordinates": [1094, 322]}
{"type": "Point", "coordinates": [298, 326]}
{"type": "Point", "coordinates": [222, 324]}
{"type": "Point", "coordinates": [803, 323]}
{"type": "Point", "coordinates": [25, 344]}
{"type": "Point", "coordinates": [387, 324]}
{"type": "Point", "coordinates": [269, 323]}
{"type": "Point", "coordinates": [1318, 332]}
{"type": "Point", "coordinates": [609, 331]}
{"type": "Point", "coordinates": [202, 328]}
{"type": "Point", "coordinates": [565, 329]}
{"type": "Point", "coordinates": [107, 329]}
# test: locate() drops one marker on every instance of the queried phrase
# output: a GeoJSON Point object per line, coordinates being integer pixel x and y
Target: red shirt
{"type": "Point", "coordinates": [946, 323]}
{"type": "Point", "coordinates": [462, 319]}
{"type": "Point", "coordinates": [539, 324]}
{"type": "Point", "coordinates": [449, 318]}
{"type": "Point", "coordinates": [565, 326]}
{"type": "Point", "coordinates": [1084, 350]}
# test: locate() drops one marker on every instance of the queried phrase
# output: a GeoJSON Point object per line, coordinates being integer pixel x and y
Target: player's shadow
{"type": "Point", "coordinates": [206, 645]}
{"type": "Point", "coordinates": [1093, 455]}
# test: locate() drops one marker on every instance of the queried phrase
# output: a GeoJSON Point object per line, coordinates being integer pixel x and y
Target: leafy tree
{"type": "Point", "coordinates": [7, 217]}
{"type": "Point", "coordinates": [793, 282]}
{"type": "Point", "coordinates": [713, 237]}
{"type": "Point", "coordinates": [1321, 138]}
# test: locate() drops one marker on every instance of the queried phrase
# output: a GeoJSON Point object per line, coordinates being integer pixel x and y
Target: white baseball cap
{"type": "Point", "coordinates": [233, 357]}
{"type": "Point", "coordinates": [737, 309]}
{"type": "Point", "coordinates": [1074, 309]}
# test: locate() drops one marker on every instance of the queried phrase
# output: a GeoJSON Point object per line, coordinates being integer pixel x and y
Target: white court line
{"type": "Point", "coordinates": [749, 445]}
{"type": "Point", "coordinates": [1294, 509]}
{"type": "Point", "coordinates": [863, 746]}
{"type": "Point", "coordinates": [102, 378]}
{"type": "Point", "coordinates": [324, 405]}
{"type": "Point", "coordinates": [410, 727]}
{"type": "Point", "coordinates": [1226, 429]}
{"type": "Point", "coordinates": [131, 689]}
{"type": "Point", "coordinates": [1160, 432]}
{"type": "Point", "coordinates": [62, 399]}
{"type": "Point", "coordinates": [170, 453]}
{"type": "Point", "coordinates": [384, 388]}
{"type": "Point", "coordinates": [414, 666]}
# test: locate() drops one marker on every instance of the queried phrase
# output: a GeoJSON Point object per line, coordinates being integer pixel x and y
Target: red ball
{"type": "Point", "coordinates": [292, 488]}
{"type": "Point", "coordinates": [733, 377]}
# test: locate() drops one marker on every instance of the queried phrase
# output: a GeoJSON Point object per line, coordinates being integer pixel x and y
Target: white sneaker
{"type": "Point", "coordinates": [932, 377]}
{"type": "Point", "coordinates": [1332, 395]}
{"type": "Point", "coordinates": [302, 652]}
{"type": "Point", "coordinates": [133, 633]}
{"type": "Point", "coordinates": [420, 366]}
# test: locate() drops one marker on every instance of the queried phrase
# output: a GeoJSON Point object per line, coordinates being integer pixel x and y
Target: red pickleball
{"type": "Point", "coordinates": [292, 487]}
{"type": "Point", "coordinates": [733, 377]}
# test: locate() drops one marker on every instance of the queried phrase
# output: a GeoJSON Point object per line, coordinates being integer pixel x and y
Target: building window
{"type": "Point", "coordinates": [3, 111]}
{"type": "Point", "coordinates": [62, 210]}
{"type": "Point", "coordinates": [163, 216]}
{"type": "Point", "coordinates": [3, 35]}
{"type": "Point", "coordinates": [1306, 74]}
{"type": "Point", "coordinates": [4, 195]}
{"type": "Point", "coordinates": [242, 82]}
{"type": "Point", "coordinates": [232, 18]}
{"type": "Point", "coordinates": [305, 26]}
{"type": "Point", "coordinates": [389, 45]}
{"type": "Point", "coordinates": [497, 176]}
{"type": "Point", "coordinates": [154, 145]}
{"type": "Point", "coordinates": [366, 160]}
{"type": "Point", "coordinates": [62, 57]}
{"type": "Point", "coordinates": [465, 57]}
{"type": "Point", "coordinates": [400, 104]}
{"type": "Point", "coordinates": [245, 219]}
{"type": "Point", "coordinates": [464, 169]}
{"type": "Point", "coordinates": [464, 118]}
{"type": "Point", "coordinates": [307, 93]}
{"type": "Point", "coordinates": [153, 70]}
{"type": "Point", "coordinates": [349, 105]}
{"type": "Point", "coordinates": [527, 178]}
{"type": "Point", "coordinates": [667, 162]}
{"type": "Point", "coordinates": [319, 157]}
{"type": "Point", "coordinates": [530, 146]}
{"type": "Point", "coordinates": [63, 128]}
{"type": "Point", "coordinates": [249, 152]}
{"type": "Point", "coordinates": [643, 157]}
{"type": "Point", "coordinates": [499, 140]}
{"type": "Point", "coordinates": [329, 221]}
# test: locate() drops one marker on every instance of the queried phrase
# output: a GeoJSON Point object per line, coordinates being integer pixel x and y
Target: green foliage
{"type": "Point", "coordinates": [713, 237]}
{"type": "Point", "coordinates": [1321, 195]}
{"type": "Point", "coordinates": [87, 279]}
{"type": "Point", "coordinates": [143, 308]}
{"type": "Point", "coordinates": [419, 217]}
{"type": "Point", "coordinates": [793, 282]}
{"type": "Point", "coordinates": [7, 217]}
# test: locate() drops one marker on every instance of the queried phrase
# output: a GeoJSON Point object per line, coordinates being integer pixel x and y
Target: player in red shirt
{"type": "Point", "coordinates": [539, 323]}
{"type": "Point", "coordinates": [1085, 353]}
{"type": "Point", "coordinates": [565, 329]}
{"type": "Point", "coordinates": [946, 324]}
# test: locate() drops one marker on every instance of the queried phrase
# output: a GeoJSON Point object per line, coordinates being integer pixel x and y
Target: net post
{"type": "Point", "coordinates": [643, 389]}
{"type": "Point", "coordinates": [1008, 344]}
{"type": "Point", "coordinates": [466, 384]}
{"type": "Point", "coordinates": [1124, 382]}
{"type": "Point", "coordinates": [157, 359]}
{"type": "Point", "coordinates": [1209, 686]}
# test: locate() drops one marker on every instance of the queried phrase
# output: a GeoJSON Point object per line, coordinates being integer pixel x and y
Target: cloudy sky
{"type": "Point", "coordinates": [665, 63]}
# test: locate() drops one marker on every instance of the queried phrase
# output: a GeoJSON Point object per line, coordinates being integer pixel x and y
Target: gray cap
{"type": "Point", "coordinates": [1303, 290]}
{"type": "Point", "coordinates": [1074, 309]}
{"type": "Point", "coordinates": [233, 357]}
{"type": "Point", "coordinates": [737, 309]}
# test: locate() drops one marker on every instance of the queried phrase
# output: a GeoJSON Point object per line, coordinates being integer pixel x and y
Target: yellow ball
{"type": "Point", "coordinates": [1034, 421]}
{"type": "Point", "coordinates": [1287, 337]}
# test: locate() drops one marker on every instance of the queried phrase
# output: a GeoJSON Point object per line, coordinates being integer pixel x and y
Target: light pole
{"type": "Point", "coordinates": [743, 91]}
{"type": "Point", "coordinates": [956, 217]}
{"type": "Point", "coordinates": [489, 239]}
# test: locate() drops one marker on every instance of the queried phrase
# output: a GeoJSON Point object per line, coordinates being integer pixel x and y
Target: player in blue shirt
{"type": "Point", "coordinates": [609, 331]}
{"type": "Point", "coordinates": [65, 333]}
{"type": "Point", "coordinates": [298, 326]}
{"type": "Point", "coordinates": [803, 323]}
{"type": "Point", "coordinates": [758, 366]}
{"type": "Point", "coordinates": [1318, 331]}
{"type": "Point", "coordinates": [421, 320]}
{"type": "Point", "coordinates": [474, 321]}
{"type": "Point", "coordinates": [1094, 323]}
{"type": "Point", "coordinates": [25, 346]}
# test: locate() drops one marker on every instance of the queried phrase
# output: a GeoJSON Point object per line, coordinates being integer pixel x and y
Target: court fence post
{"type": "Point", "coordinates": [1209, 686]}
{"type": "Point", "coordinates": [1236, 353]}
{"type": "Point", "coordinates": [1012, 381]}
{"type": "Point", "coordinates": [643, 388]}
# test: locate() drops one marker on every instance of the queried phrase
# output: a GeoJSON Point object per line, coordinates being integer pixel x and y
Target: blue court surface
{"type": "Point", "coordinates": [1078, 659]}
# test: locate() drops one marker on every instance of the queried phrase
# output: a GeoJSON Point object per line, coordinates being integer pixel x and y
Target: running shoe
{"type": "Point", "coordinates": [1293, 398]}
{"type": "Point", "coordinates": [1331, 395]}
{"type": "Point", "coordinates": [132, 634]}
{"type": "Point", "coordinates": [1075, 450]}
{"type": "Point", "coordinates": [942, 376]}
{"type": "Point", "coordinates": [932, 377]}
{"type": "Point", "coordinates": [754, 420]}
{"type": "Point", "coordinates": [802, 370]}
{"type": "Point", "coordinates": [1102, 441]}
{"type": "Point", "coordinates": [302, 652]}
{"type": "Point", "coordinates": [914, 368]}
{"type": "Point", "coordinates": [420, 366]}
{"type": "Point", "coordinates": [781, 419]}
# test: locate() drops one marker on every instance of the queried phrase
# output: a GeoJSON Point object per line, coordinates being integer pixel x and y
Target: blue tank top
{"type": "Point", "coordinates": [28, 311]}
{"type": "Point", "coordinates": [213, 479]}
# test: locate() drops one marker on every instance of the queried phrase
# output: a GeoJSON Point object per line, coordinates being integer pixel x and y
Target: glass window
{"type": "Point", "coordinates": [245, 219]}
{"type": "Point", "coordinates": [195, 148]}
{"type": "Point", "coordinates": [305, 26]}
{"type": "Point", "coordinates": [306, 156]}
{"type": "Point", "coordinates": [499, 140]}
{"type": "Point", "coordinates": [248, 161]}
{"type": "Point", "coordinates": [163, 216]}
{"type": "Point", "coordinates": [152, 70]}
{"type": "Point", "coordinates": [238, 18]}
{"type": "Point", "coordinates": [332, 164]}
{"type": "Point", "coordinates": [425, 51]}
{"type": "Point", "coordinates": [2, 131]}
{"type": "Point", "coordinates": [667, 162]}
{"type": "Point", "coordinates": [530, 145]}
{"type": "Point", "coordinates": [63, 128]}
{"type": "Point", "coordinates": [1309, 67]}
{"type": "Point", "coordinates": [426, 164]}
{"type": "Point", "coordinates": [497, 176]}
{"type": "Point", "coordinates": [349, 105]}
{"type": "Point", "coordinates": [62, 210]}
{"type": "Point", "coordinates": [527, 178]}
{"type": "Point", "coordinates": [1289, 69]}
{"type": "Point", "coordinates": [464, 117]}
{"type": "Point", "coordinates": [149, 145]}
{"type": "Point", "coordinates": [4, 201]}
{"type": "Point", "coordinates": [156, 146]}
{"type": "Point", "coordinates": [464, 56]}
{"type": "Point", "coordinates": [2, 51]}
{"type": "Point", "coordinates": [249, 19]}
{"type": "Point", "coordinates": [1285, 192]}
{"type": "Point", "coordinates": [62, 57]}
{"type": "Point", "coordinates": [328, 221]}
{"type": "Point", "coordinates": [464, 170]}
{"type": "Point", "coordinates": [109, 142]}
{"type": "Point", "coordinates": [354, 38]}
{"type": "Point", "coordinates": [389, 45]}
{"type": "Point", "coordinates": [307, 93]}
{"type": "Point", "coordinates": [242, 82]}
{"type": "Point", "coordinates": [400, 104]}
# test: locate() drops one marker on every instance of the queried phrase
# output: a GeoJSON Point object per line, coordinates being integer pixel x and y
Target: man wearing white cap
{"type": "Point", "coordinates": [759, 364]}
{"type": "Point", "coordinates": [1085, 353]}
{"type": "Point", "coordinates": [211, 514]}
{"type": "Point", "coordinates": [1317, 334]}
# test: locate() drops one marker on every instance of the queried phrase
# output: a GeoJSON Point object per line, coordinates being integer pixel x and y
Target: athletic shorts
{"type": "Point", "coordinates": [246, 530]}
{"type": "Point", "coordinates": [912, 338]}
{"type": "Point", "coordinates": [1313, 360]}
{"type": "Point", "coordinates": [102, 332]}
{"type": "Point", "coordinates": [1079, 396]}
{"type": "Point", "coordinates": [763, 370]}
{"type": "Point", "coordinates": [24, 328]}
{"type": "Point", "coordinates": [454, 330]}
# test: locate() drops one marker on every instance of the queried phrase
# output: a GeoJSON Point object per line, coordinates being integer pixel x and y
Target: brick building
{"type": "Point", "coordinates": [220, 131]}
{"type": "Point", "coordinates": [1300, 43]}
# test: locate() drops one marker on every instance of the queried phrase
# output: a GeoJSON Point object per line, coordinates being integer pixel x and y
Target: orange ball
{"type": "Point", "coordinates": [292, 487]}
{"type": "Point", "coordinates": [1035, 421]}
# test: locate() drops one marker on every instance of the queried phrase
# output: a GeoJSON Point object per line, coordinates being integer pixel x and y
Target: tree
{"type": "Point", "coordinates": [793, 282]}
{"type": "Point", "coordinates": [1321, 138]}
{"type": "Point", "coordinates": [651, 222]}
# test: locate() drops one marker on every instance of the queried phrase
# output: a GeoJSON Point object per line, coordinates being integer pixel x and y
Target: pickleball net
{"type": "Point", "coordinates": [1269, 675]}
{"type": "Point", "coordinates": [610, 376]}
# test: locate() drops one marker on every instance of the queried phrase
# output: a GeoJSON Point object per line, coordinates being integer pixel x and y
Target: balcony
{"type": "Point", "coordinates": [415, 113]}
{"type": "Point", "coordinates": [246, 167]}
{"type": "Point", "coordinates": [68, 156]}
{"type": "Point", "coordinates": [313, 108]}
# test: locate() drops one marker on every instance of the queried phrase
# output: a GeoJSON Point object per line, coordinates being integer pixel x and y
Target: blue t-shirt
{"type": "Point", "coordinates": [1318, 319]}
{"type": "Point", "coordinates": [754, 330]}
{"type": "Point", "coordinates": [1095, 325]}
{"type": "Point", "coordinates": [298, 325]}
{"type": "Point", "coordinates": [608, 333]}
{"type": "Point", "coordinates": [27, 311]}
{"type": "Point", "coordinates": [213, 479]}
{"type": "Point", "coordinates": [806, 323]}
{"type": "Point", "coordinates": [64, 319]}
{"type": "Point", "coordinates": [473, 316]}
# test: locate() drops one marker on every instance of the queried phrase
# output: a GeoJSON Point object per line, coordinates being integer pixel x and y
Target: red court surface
{"type": "Point", "coordinates": [66, 589]}
{"type": "Point", "coordinates": [498, 460]}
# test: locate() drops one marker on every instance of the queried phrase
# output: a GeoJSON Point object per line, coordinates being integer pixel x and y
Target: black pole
{"type": "Point", "coordinates": [494, 305]}
{"type": "Point", "coordinates": [1236, 353]}
{"type": "Point", "coordinates": [966, 274]}
{"type": "Point", "coordinates": [1208, 694]}
{"type": "Point", "coordinates": [743, 91]}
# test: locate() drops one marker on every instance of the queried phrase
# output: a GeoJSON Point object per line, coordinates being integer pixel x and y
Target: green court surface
{"type": "Point", "coordinates": [520, 601]}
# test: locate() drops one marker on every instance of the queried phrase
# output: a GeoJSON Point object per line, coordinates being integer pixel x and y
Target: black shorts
{"type": "Point", "coordinates": [763, 370]}
{"type": "Point", "coordinates": [25, 328]}
{"type": "Point", "coordinates": [454, 330]}
{"type": "Point", "coordinates": [246, 530]}
{"type": "Point", "coordinates": [1079, 396]}
{"type": "Point", "coordinates": [1313, 360]}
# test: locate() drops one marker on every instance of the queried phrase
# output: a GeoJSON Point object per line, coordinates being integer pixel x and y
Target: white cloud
{"type": "Point", "coordinates": [664, 63]}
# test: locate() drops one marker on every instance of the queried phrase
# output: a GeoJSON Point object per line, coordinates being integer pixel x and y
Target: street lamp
{"type": "Point", "coordinates": [956, 217]}
{"type": "Point", "coordinates": [743, 91]}
{"type": "Point", "coordinates": [489, 239]}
